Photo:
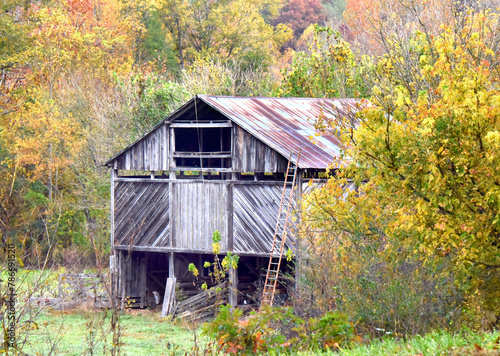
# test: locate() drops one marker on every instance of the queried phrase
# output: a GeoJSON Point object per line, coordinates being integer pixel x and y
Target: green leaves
{"type": "Point", "coordinates": [328, 69]}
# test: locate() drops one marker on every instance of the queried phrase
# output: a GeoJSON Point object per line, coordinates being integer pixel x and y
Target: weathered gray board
{"type": "Point", "coordinates": [141, 214]}
{"type": "Point", "coordinates": [255, 212]}
{"type": "Point", "coordinates": [147, 154]}
{"type": "Point", "coordinates": [152, 153]}
{"type": "Point", "coordinates": [133, 277]}
{"type": "Point", "coordinates": [200, 210]}
{"type": "Point", "coordinates": [201, 207]}
{"type": "Point", "coordinates": [252, 155]}
{"type": "Point", "coordinates": [169, 298]}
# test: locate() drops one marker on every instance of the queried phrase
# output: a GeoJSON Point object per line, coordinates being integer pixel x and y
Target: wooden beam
{"type": "Point", "coordinates": [230, 217]}
{"type": "Point", "coordinates": [143, 273]}
{"type": "Point", "coordinates": [114, 267]}
{"type": "Point", "coordinates": [233, 287]}
{"type": "Point", "coordinates": [181, 181]}
{"type": "Point", "coordinates": [181, 250]}
{"type": "Point", "coordinates": [171, 150]}
{"type": "Point", "coordinates": [201, 155]}
{"type": "Point", "coordinates": [197, 169]}
{"type": "Point", "coordinates": [172, 206]}
{"type": "Point", "coordinates": [207, 125]}
{"type": "Point", "coordinates": [169, 297]}
{"type": "Point", "coordinates": [171, 265]}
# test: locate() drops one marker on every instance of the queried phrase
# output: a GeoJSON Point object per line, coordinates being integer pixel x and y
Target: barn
{"type": "Point", "coordinates": [218, 163]}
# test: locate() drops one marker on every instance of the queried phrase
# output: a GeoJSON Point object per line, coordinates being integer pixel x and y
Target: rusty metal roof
{"type": "Point", "coordinates": [287, 124]}
{"type": "Point", "coordinates": [284, 124]}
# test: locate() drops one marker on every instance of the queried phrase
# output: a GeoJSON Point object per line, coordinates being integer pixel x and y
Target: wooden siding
{"type": "Point", "coordinates": [200, 210]}
{"type": "Point", "coordinates": [255, 213]}
{"type": "Point", "coordinates": [133, 273]}
{"type": "Point", "coordinates": [142, 214]}
{"type": "Point", "coordinates": [252, 155]}
{"type": "Point", "coordinates": [145, 219]}
{"type": "Point", "coordinates": [152, 153]}
{"type": "Point", "coordinates": [148, 154]}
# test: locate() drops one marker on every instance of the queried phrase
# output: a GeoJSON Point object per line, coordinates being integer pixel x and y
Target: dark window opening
{"type": "Point", "coordinates": [203, 147]}
{"type": "Point", "coordinates": [197, 162]}
{"type": "Point", "coordinates": [196, 140]}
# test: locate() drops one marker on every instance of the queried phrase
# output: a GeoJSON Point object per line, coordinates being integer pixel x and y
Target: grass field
{"type": "Point", "coordinates": [437, 343]}
{"type": "Point", "coordinates": [145, 333]}
{"type": "Point", "coordinates": [142, 333]}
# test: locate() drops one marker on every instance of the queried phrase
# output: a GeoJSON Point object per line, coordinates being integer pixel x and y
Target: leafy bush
{"type": "Point", "coordinates": [386, 285]}
{"type": "Point", "coordinates": [277, 330]}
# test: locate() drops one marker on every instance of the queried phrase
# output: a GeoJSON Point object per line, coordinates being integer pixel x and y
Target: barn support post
{"type": "Point", "coordinates": [125, 276]}
{"type": "Point", "coordinates": [171, 170]}
{"type": "Point", "coordinates": [113, 263]}
{"type": "Point", "coordinates": [233, 272]}
{"type": "Point", "coordinates": [233, 287]}
{"type": "Point", "coordinates": [143, 273]}
{"type": "Point", "coordinates": [298, 198]}
{"type": "Point", "coordinates": [169, 297]}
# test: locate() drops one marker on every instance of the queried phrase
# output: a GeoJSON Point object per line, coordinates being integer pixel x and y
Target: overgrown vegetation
{"type": "Point", "coordinates": [413, 220]}
{"type": "Point", "coordinates": [278, 330]}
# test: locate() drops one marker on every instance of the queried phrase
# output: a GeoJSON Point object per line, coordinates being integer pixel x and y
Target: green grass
{"type": "Point", "coordinates": [142, 333]}
{"type": "Point", "coordinates": [145, 333]}
{"type": "Point", "coordinates": [436, 343]}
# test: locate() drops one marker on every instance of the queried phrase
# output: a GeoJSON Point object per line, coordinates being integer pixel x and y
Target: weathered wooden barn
{"type": "Point", "coordinates": [217, 163]}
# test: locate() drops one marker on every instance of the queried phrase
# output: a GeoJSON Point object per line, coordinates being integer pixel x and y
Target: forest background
{"type": "Point", "coordinates": [80, 79]}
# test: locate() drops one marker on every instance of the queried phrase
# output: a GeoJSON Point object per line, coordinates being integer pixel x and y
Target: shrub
{"type": "Point", "coordinates": [277, 330]}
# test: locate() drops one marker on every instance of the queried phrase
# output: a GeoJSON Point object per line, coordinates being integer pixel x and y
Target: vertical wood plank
{"type": "Point", "coordinates": [229, 212]}
{"type": "Point", "coordinates": [113, 267]}
{"type": "Point", "coordinates": [169, 296]}
{"type": "Point", "coordinates": [171, 265]}
{"type": "Point", "coordinates": [172, 211]}
{"type": "Point", "coordinates": [233, 287]}
{"type": "Point", "coordinates": [143, 279]}
{"type": "Point", "coordinates": [168, 299]}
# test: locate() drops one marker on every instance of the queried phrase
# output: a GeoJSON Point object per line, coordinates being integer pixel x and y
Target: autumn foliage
{"type": "Point", "coordinates": [425, 160]}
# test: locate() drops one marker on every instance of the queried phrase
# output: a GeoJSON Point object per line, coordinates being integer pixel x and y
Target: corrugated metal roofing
{"type": "Point", "coordinates": [284, 124]}
{"type": "Point", "coordinates": [287, 124]}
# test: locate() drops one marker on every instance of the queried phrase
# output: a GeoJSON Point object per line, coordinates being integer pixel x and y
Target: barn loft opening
{"type": "Point", "coordinates": [207, 147]}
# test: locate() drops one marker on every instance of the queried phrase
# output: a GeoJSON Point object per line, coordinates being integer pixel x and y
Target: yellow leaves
{"type": "Point", "coordinates": [42, 136]}
{"type": "Point", "coordinates": [75, 35]}
{"type": "Point", "coordinates": [216, 248]}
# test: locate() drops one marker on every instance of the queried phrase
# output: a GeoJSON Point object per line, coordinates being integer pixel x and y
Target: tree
{"type": "Point", "coordinates": [299, 15]}
{"type": "Point", "coordinates": [15, 48]}
{"type": "Point", "coordinates": [226, 29]}
{"type": "Point", "coordinates": [52, 186]}
{"type": "Point", "coordinates": [426, 152]}
{"type": "Point", "coordinates": [371, 21]}
{"type": "Point", "coordinates": [328, 69]}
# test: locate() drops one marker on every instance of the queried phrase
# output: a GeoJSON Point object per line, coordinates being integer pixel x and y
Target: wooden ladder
{"type": "Point", "coordinates": [280, 233]}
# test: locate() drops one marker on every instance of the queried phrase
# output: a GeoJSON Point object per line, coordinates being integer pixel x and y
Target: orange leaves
{"type": "Point", "coordinates": [77, 35]}
{"type": "Point", "coordinates": [80, 8]}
